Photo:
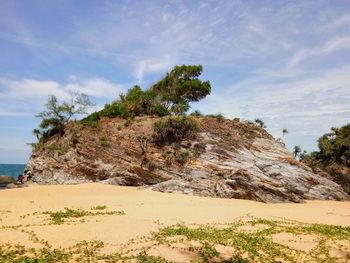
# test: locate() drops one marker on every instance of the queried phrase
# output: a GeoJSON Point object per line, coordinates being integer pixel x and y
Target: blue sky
{"type": "Point", "coordinates": [286, 62]}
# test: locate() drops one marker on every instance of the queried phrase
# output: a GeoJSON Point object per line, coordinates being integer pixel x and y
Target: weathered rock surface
{"type": "Point", "coordinates": [229, 160]}
{"type": "Point", "coordinates": [6, 181]}
{"type": "Point", "coordinates": [338, 173]}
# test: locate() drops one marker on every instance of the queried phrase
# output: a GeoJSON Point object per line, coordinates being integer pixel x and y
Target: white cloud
{"type": "Point", "coordinates": [27, 96]}
{"type": "Point", "coordinates": [335, 44]}
{"type": "Point", "coordinates": [145, 67]}
{"type": "Point", "coordinates": [339, 22]}
{"type": "Point", "coordinates": [256, 52]}
{"type": "Point", "coordinates": [307, 104]}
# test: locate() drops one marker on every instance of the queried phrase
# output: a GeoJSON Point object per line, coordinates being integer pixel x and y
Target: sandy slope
{"type": "Point", "coordinates": [145, 211]}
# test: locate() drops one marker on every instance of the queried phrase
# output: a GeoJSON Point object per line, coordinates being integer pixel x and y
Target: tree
{"type": "Point", "coordinates": [181, 86]}
{"type": "Point", "coordinates": [171, 95]}
{"type": "Point", "coordinates": [260, 123]}
{"type": "Point", "coordinates": [284, 131]}
{"type": "Point", "coordinates": [296, 151]}
{"type": "Point", "coordinates": [57, 115]}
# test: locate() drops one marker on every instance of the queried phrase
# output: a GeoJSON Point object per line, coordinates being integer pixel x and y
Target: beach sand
{"type": "Point", "coordinates": [145, 211]}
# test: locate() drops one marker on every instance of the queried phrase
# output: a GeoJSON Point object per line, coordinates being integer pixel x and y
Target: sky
{"type": "Point", "coordinates": [285, 62]}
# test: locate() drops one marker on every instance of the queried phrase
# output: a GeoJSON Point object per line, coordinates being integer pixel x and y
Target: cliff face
{"type": "Point", "coordinates": [227, 159]}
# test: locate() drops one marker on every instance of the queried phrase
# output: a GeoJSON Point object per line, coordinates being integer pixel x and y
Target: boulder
{"type": "Point", "coordinates": [6, 180]}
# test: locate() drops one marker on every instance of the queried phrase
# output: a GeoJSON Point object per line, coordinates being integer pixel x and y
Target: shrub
{"type": "Point", "coordinates": [259, 123]}
{"type": "Point", "coordinates": [104, 141]}
{"type": "Point", "coordinates": [116, 109]}
{"type": "Point", "coordinates": [59, 148]}
{"type": "Point", "coordinates": [160, 110]}
{"type": "Point", "coordinates": [208, 252]}
{"type": "Point", "coordinates": [174, 129]}
{"type": "Point", "coordinates": [182, 156]}
{"type": "Point", "coordinates": [196, 113]}
{"type": "Point", "coordinates": [168, 157]}
{"type": "Point", "coordinates": [199, 148]}
{"type": "Point", "coordinates": [151, 165]}
{"type": "Point", "coordinates": [92, 120]}
{"type": "Point", "coordinates": [173, 93]}
{"type": "Point", "coordinates": [75, 138]}
{"type": "Point", "coordinates": [219, 117]}
{"type": "Point", "coordinates": [128, 122]}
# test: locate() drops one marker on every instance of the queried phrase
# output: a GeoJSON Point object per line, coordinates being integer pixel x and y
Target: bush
{"type": "Point", "coordinates": [196, 113]}
{"type": "Point", "coordinates": [160, 110]}
{"type": "Point", "coordinates": [172, 94]}
{"type": "Point", "coordinates": [182, 156]}
{"type": "Point", "coordinates": [92, 120]}
{"type": "Point", "coordinates": [174, 129]}
{"type": "Point", "coordinates": [168, 157]}
{"type": "Point", "coordinates": [219, 117]}
{"type": "Point", "coordinates": [259, 123]}
{"type": "Point", "coordinates": [199, 148]}
{"type": "Point", "coordinates": [116, 109]}
{"type": "Point", "coordinates": [151, 165]}
{"type": "Point", "coordinates": [208, 252]}
{"type": "Point", "coordinates": [104, 141]}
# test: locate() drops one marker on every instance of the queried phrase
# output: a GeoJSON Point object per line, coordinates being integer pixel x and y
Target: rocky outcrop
{"type": "Point", "coordinates": [224, 159]}
{"type": "Point", "coordinates": [338, 173]}
{"type": "Point", "coordinates": [6, 182]}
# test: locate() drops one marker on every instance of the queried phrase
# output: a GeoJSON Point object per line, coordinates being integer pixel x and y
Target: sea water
{"type": "Point", "coordinates": [12, 169]}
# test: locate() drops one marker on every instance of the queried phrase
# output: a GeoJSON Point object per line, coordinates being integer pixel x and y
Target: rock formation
{"type": "Point", "coordinates": [6, 182]}
{"type": "Point", "coordinates": [226, 159]}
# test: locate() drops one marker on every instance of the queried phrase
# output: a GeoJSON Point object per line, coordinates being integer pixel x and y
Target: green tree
{"type": "Point", "coordinates": [181, 86]}
{"type": "Point", "coordinates": [57, 115]}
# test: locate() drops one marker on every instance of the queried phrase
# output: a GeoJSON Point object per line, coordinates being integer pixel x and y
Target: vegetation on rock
{"type": "Point", "coordinates": [57, 115]}
{"type": "Point", "coordinates": [174, 129]}
{"type": "Point", "coordinates": [171, 95]}
{"type": "Point", "coordinates": [333, 156]}
{"type": "Point", "coordinates": [259, 123]}
{"type": "Point", "coordinates": [334, 147]}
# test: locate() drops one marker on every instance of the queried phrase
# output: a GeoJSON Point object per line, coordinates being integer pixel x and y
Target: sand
{"type": "Point", "coordinates": [145, 211]}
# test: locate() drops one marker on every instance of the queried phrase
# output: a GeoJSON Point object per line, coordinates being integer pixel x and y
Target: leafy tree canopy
{"type": "Point", "coordinates": [171, 95]}
{"type": "Point", "coordinates": [181, 86]}
{"type": "Point", "coordinates": [57, 115]}
{"type": "Point", "coordinates": [334, 147]}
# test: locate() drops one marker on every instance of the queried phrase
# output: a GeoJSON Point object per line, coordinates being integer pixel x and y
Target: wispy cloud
{"type": "Point", "coordinates": [335, 44]}
{"type": "Point", "coordinates": [287, 62]}
{"type": "Point", "coordinates": [27, 96]}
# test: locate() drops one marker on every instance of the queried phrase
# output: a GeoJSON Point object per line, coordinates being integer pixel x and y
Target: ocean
{"type": "Point", "coordinates": [12, 169]}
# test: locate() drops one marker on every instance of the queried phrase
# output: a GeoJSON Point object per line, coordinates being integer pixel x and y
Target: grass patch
{"type": "Point", "coordinates": [251, 240]}
{"type": "Point", "coordinates": [144, 258]}
{"type": "Point", "coordinates": [258, 245]}
{"type": "Point", "coordinates": [104, 141]}
{"type": "Point", "coordinates": [59, 217]}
